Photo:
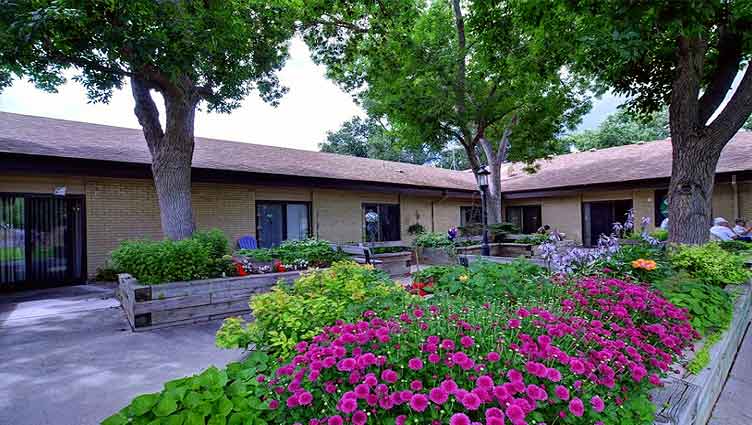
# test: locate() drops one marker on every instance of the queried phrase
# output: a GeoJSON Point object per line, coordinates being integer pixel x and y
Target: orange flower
{"type": "Point", "coordinates": [641, 263]}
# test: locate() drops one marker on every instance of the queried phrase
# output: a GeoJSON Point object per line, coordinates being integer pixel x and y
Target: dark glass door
{"type": "Point", "coordinates": [270, 224]}
{"type": "Point", "coordinates": [12, 240]}
{"type": "Point", "coordinates": [41, 241]}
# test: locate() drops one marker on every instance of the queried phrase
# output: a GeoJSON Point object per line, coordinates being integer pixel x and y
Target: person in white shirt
{"type": "Point", "coordinates": [664, 224]}
{"type": "Point", "coordinates": [722, 230]}
{"type": "Point", "coordinates": [741, 228]}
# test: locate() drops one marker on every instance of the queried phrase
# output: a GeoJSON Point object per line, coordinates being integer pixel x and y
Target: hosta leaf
{"type": "Point", "coordinates": [143, 404]}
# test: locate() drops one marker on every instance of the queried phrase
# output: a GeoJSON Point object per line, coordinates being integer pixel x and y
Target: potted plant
{"type": "Point", "coordinates": [435, 248]}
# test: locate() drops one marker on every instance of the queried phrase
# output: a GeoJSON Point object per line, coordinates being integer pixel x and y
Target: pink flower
{"type": "Point", "coordinates": [493, 357]}
{"type": "Point", "coordinates": [400, 420]}
{"type": "Point", "coordinates": [576, 366]}
{"type": "Point", "coordinates": [273, 404]}
{"type": "Point", "coordinates": [449, 386]}
{"type": "Point", "coordinates": [459, 419]}
{"type": "Point", "coordinates": [561, 392]}
{"type": "Point", "coordinates": [553, 374]}
{"type": "Point", "coordinates": [597, 404]}
{"type": "Point", "coordinates": [416, 385]}
{"type": "Point", "coordinates": [418, 402]}
{"type": "Point", "coordinates": [438, 395]}
{"type": "Point", "coordinates": [467, 341]}
{"type": "Point", "coordinates": [305, 398]}
{"type": "Point", "coordinates": [362, 390]}
{"type": "Point", "coordinates": [359, 418]}
{"type": "Point", "coordinates": [576, 407]}
{"type": "Point", "coordinates": [514, 375]}
{"type": "Point", "coordinates": [515, 413]}
{"type": "Point", "coordinates": [460, 358]}
{"type": "Point", "coordinates": [434, 358]}
{"type": "Point", "coordinates": [335, 420]}
{"type": "Point", "coordinates": [415, 363]}
{"type": "Point", "coordinates": [494, 412]}
{"type": "Point", "coordinates": [471, 401]}
{"type": "Point", "coordinates": [389, 376]}
{"type": "Point", "coordinates": [348, 405]}
{"type": "Point", "coordinates": [484, 381]}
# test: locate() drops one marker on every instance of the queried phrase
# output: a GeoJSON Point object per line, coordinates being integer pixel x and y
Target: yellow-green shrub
{"type": "Point", "coordinates": [289, 314]}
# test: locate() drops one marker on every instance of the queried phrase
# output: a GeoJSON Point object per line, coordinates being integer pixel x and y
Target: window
{"type": "Point", "coordinates": [527, 218]}
{"type": "Point", "coordinates": [470, 215]}
{"type": "Point", "coordinates": [280, 221]}
{"type": "Point", "coordinates": [661, 206]}
{"type": "Point", "coordinates": [381, 222]}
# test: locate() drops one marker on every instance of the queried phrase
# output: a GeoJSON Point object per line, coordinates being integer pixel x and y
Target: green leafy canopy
{"type": "Point", "coordinates": [224, 49]}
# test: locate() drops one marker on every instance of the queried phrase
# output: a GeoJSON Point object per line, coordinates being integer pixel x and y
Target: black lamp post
{"type": "Point", "coordinates": [482, 174]}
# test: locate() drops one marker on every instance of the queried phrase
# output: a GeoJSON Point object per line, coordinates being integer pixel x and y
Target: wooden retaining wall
{"type": "Point", "coordinates": [176, 303]}
{"type": "Point", "coordinates": [689, 399]}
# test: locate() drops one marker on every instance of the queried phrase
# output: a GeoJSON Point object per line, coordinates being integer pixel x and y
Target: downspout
{"type": "Point", "coordinates": [735, 190]}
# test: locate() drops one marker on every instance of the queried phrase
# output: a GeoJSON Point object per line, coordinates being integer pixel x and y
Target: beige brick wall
{"type": "Point", "coordinates": [723, 201]}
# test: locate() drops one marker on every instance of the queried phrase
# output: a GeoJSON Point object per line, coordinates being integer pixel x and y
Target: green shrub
{"type": "Point", "coordinates": [433, 240]}
{"type": "Point", "coordinates": [107, 273]}
{"type": "Point", "coordinates": [292, 313]}
{"type": "Point", "coordinates": [314, 252]}
{"type": "Point", "coordinates": [660, 234]}
{"type": "Point", "coordinates": [155, 262]}
{"type": "Point", "coordinates": [621, 262]}
{"type": "Point", "coordinates": [389, 249]}
{"type": "Point", "coordinates": [702, 357]}
{"type": "Point", "coordinates": [735, 247]}
{"type": "Point", "coordinates": [534, 239]}
{"type": "Point", "coordinates": [229, 396]}
{"type": "Point", "coordinates": [484, 280]}
{"type": "Point", "coordinates": [263, 255]}
{"type": "Point", "coordinates": [416, 229]}
{"type": "Point", "coordinates": [710, 307]}
{"type": "Point", "coordinates": [710, 264]}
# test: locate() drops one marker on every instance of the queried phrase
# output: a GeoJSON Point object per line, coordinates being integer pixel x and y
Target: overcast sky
{"type": "Point", "coordinates": [313, 106]}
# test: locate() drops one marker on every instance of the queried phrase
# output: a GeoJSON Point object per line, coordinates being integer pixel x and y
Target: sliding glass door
{"type": "Point", "coordinates": [278, 221]}
{"type": "Point", "coordinates": [41, 241]}
{"type": "Point", "coordinates": [12, 240]}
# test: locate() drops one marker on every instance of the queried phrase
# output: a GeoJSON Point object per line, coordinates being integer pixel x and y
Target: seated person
{"type": "Point", "coordinates": [741, 228]}
{"type": "Point", "coordinates": [722, 230]}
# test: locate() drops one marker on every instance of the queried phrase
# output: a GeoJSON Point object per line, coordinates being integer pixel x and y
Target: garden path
{"type": "Point", "coordinates": [734, 406]}
{"type": "Point", "coordinates": [69, 357]}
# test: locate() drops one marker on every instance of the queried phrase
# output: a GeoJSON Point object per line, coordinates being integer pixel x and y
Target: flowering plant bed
{"type": "Point", "coordinates": [155, 306]}
{"type": "Point", "coordinates": [587, 359]}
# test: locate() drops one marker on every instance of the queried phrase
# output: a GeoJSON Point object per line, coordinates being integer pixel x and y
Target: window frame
{"type": "Point", "coordinates": [379, 206]}
{"type": "Point", "coordinates": [470, 208]}
{"type": "Point", "coordinates": [284, 205]}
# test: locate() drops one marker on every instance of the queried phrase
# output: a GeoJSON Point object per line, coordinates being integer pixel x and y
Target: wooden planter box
{"type": "Point", "coordinates": [395, 263]}
{"type": "Point", "coordinates": [435, 256]}
{"type": "Point", "coordinates": [689, 399]}
{"type": "Point", "coordinates": [176, 303]}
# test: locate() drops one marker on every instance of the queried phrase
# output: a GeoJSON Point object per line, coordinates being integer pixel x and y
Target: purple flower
{"type": "Point", "coordinates": [576, 407]}
{"type": "Point", "coordinates": [438, 395]}
{"type": "Point", "coordinates": [597, 404]}
{"type": "Point", "coordinates": [415, 363]}
{"type": "Point", "coordinates": [459, 419]}
{"type": "Point", "coordinates": [418, 402]}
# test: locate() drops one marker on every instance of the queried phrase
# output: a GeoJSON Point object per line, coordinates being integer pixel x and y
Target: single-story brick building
{"type": "Point", "coordinates": [582, 194]}
{"type": "Point", "coordinates": [70, 192]}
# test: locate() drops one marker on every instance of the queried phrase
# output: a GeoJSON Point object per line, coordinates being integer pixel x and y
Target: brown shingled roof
{"type": "Point", "coordinates": [24, 134]}
{"type": "Point", "coordinates": [649, 160]}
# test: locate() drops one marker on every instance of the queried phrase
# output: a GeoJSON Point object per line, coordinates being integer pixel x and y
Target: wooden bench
{"type": "Point", "coordinates": [359, 253]}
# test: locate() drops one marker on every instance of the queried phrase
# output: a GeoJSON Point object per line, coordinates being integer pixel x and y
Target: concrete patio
{"type": "Point", "coordinates": [69, 358]}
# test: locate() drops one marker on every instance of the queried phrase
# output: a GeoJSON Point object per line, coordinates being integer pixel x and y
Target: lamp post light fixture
{"type": "Point", "coordinates": [482, 176]}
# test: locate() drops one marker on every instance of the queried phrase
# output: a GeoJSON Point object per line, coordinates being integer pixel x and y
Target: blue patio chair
{"type": "Point", "coordinates": [247, 242]}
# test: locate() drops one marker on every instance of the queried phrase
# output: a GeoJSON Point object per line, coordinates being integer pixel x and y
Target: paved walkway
{"type": "Point", "coordinates": [68, 357]}
{"type": "Point", "coordinates": [734, 407]}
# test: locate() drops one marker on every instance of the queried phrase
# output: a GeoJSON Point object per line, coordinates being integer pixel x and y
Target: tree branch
{"type": "Point", "coordinates": [147, 113]}
{"type": "Point", "coordinates": [735, 113]}
{"type": "Point", "coordinates": [729, 57]}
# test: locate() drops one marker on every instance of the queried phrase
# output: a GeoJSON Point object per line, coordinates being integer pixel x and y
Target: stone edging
{"type": "Point", "coordinates": [689, 399]}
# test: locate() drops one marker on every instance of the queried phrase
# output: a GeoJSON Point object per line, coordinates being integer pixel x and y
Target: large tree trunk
{"type": "Point", "coordinates": [495, 158]}
{"type": "Point", "coordinates": [172, 155]}
{"type": "Point", "coordinates": [691, 188]}
{"type": "Point", "coordinates": [696, 144]}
